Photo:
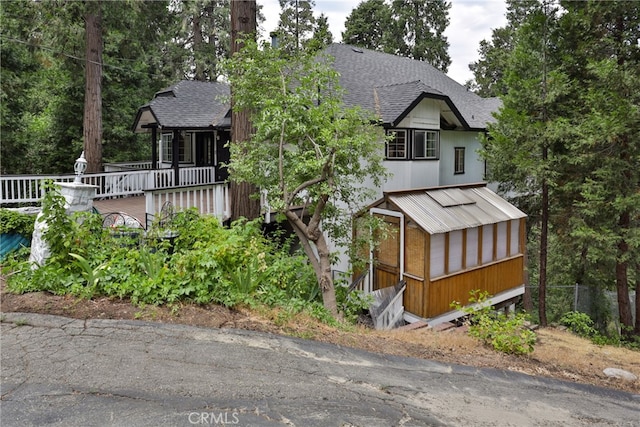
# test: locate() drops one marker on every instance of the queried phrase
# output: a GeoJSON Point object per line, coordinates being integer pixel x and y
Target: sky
{"type": "Point", "coordinates": [471, 21]}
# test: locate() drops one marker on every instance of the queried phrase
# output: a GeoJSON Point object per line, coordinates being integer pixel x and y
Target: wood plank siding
{"type": "Point", "coordinates": [429, 297]}
{"type": "Point", "coordinates": [493, 278]}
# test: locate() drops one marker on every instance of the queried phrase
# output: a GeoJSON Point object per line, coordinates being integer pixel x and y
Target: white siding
{"type": "Point", "coordinates": [473, 165]}
{"type": "Point", "coordinates": [411, 174]}
{"type": "Point", "coordinates": [426, 115]}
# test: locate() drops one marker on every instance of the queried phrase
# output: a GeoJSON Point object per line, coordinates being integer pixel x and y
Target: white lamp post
{"type": "Point", "coordinates": [79, 167]}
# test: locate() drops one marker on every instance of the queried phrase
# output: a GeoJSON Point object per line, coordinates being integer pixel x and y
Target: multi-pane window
{"type": "Point", "coordinates": [425, 144]}
{"type": "Point", "coordinates": [167, 149]}
{"type": "Point", "coordinates": [397, 147]}
{"type": "Point", "coordinates": [185, 149]}
{"type": "Point", "coordinates": [458, 160]}
{"type": "Point", "coordinates": [413, 144]}
{"type": "Point", "coordinates": [185, 152]}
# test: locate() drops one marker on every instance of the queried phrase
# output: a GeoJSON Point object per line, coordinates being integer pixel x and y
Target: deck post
{"type": "Point", "coordinates": [154, 147]}
{"type": "Point", "coordinates": [218, 201]}
{"type": "Point", "coordinates": [149, 202]}
{"type": "Point", "coordinates": [175, 158]}
{"type": "Point", "coordinates": [78, 198]}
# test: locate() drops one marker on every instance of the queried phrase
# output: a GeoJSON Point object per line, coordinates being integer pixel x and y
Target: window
{"type": "Point", "coordinates": [458, 167]}
{"type": "Point", "coordinates": [425, 144]}
{"type": "Point", "coordinates": [413, 144]}
{"type": "Point", "coordinates": [167, 148]}
{"type": "Point", "coordinates": [184, 148]}
{"type": "Point", "coordinates": [436, 255]}
{"type": "Point", "coordinates": [397, 147]}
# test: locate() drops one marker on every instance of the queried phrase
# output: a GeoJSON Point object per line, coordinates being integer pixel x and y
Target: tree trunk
{"type": "Point", "coordinates": [622, 279]}
{"type": "Point", "coordinates": [544, 238]}
{"type": "Point", "coordinates": [320, 260]}
{"type": "Point", "coordinates": [636, 330]}
{"type": "Point", "coordinates": [243, 24]}
{"type": "Point", "coordinates": [197, 48]}
{"type": "Point", "coordinates": [527, 300]}
{"type": "Point", "coordinates": [325, 280]}
{"type": "Point", "coordinates": [92, 125]}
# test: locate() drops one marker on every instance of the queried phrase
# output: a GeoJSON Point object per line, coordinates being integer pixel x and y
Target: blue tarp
{"type": "Point", "coordinates": [12, 242]}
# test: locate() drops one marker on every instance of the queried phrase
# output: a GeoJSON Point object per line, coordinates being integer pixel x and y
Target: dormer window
{"type": "Point", "coordinates": [425, 144]}
{"type": "Point", "coordinates": [416, 144]}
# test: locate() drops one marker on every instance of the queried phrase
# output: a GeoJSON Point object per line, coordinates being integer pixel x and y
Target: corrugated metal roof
{"type": "Point", "coordinates": [442, 210]}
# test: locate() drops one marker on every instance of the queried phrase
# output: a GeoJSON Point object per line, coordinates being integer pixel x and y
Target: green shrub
{"type": "Point", "coordinates": [16, 222]}
{"type": "Point", "coordinates": [506, 333]}
{"type": "Point", "coordinates": [204, 262]}
{"type": "Point", "coordinates": [579, 323]}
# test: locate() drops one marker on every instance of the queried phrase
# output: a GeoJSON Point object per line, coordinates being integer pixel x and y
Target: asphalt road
{"type": "Point", "coordinates": [64, 372]}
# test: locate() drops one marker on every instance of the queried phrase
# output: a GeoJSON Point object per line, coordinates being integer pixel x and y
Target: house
{"type": "Point", "coordinates": [445, 242]}
{"type": "Point", "coordinates": [190, 119]}
{"type": "Point", "coordinates": [436, 122]}
{"type": "Point", "coordinates": [450, 237]}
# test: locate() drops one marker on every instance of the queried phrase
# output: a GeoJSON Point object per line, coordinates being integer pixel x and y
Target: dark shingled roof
{"type": "Point", "coordinates": [190, 105]}
{"type": "Point", "coordinates": [390, 85]}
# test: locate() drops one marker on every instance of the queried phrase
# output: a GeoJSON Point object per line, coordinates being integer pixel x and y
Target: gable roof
{"type": "Point", "coordinates": [443, 209]}
{"type": "Point", "coordinates": [387, 85]}
{"type": "Point", "coordinates": [391, 86]}
{"type": "Point", "coordinates": [187, 105]}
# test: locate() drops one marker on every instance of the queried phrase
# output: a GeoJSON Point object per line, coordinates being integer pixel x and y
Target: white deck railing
{"type": "Point", "coordinates": [28, 188]}
{"type": "Point", "coordinates": [212, 199]}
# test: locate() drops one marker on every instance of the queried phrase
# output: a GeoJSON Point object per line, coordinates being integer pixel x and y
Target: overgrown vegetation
{"type": "Point", "coordinates": [16, 222]}
{"type": "Point", "coordinates": [506, 333]}
{"type": "Point", "coordinates": [582, 325]}
{"type": "Point", "coordinates": [202, 262]}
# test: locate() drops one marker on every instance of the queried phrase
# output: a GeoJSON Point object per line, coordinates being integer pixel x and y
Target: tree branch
{"type": "Point", "coordinates": [300, 228]}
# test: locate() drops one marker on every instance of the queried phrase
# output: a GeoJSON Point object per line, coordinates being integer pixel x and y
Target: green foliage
{"type": "Point", "coordinates": [16, 222]}
{"type": "Point", "coordinates": [92, 275]}
{"type": "Point", "coordinates": [411, 28]}
{"type": "Point", "coordinates": [308, 148]}
{"type": "Point", "coordinates": [296, 25]}
{"type": "Point", "coordinates": [205, 262]}
{"type": "Point", "coordinates": [352, 304]}
{"type": "Point", "coordinates": [506, 333]}
{"type": "Point", "coordinates": [579, 323]}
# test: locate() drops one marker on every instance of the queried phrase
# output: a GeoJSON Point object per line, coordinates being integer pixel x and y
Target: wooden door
{"type": "Point", "coordinates": [386, 257]}
{"type": "Point", "coordinates": [204, 142]}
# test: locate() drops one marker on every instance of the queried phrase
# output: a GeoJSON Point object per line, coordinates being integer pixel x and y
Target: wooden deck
{"type": "Point", "coordinates": [134, 206]}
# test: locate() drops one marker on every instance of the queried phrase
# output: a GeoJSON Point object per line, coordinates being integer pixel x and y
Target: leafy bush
{"type": "Point", "coordinates": [506, 333]}
{"type": "Point", "coordinates": [352, 304]}
{"type": "Point", "coordinates": [579, 323]}
{"type": "Point", "coordinates": [202, 262]}
{"type": "Point", "coordinates": [16, 222]}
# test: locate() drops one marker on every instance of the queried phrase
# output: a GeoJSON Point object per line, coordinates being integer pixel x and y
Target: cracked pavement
{"type": "Point", "coordinates": [66, 372]}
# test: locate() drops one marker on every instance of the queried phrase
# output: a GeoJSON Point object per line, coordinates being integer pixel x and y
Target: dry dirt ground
{"type": "Point", "coordinates": [558, 354]}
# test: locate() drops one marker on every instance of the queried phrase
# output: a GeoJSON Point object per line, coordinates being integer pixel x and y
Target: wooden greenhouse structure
{"type": "Point", "coordinates": [445, 242]}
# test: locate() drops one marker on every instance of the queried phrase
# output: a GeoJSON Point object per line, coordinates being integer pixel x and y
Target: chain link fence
{"type": "Point", "coordinates": [600, 305]}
